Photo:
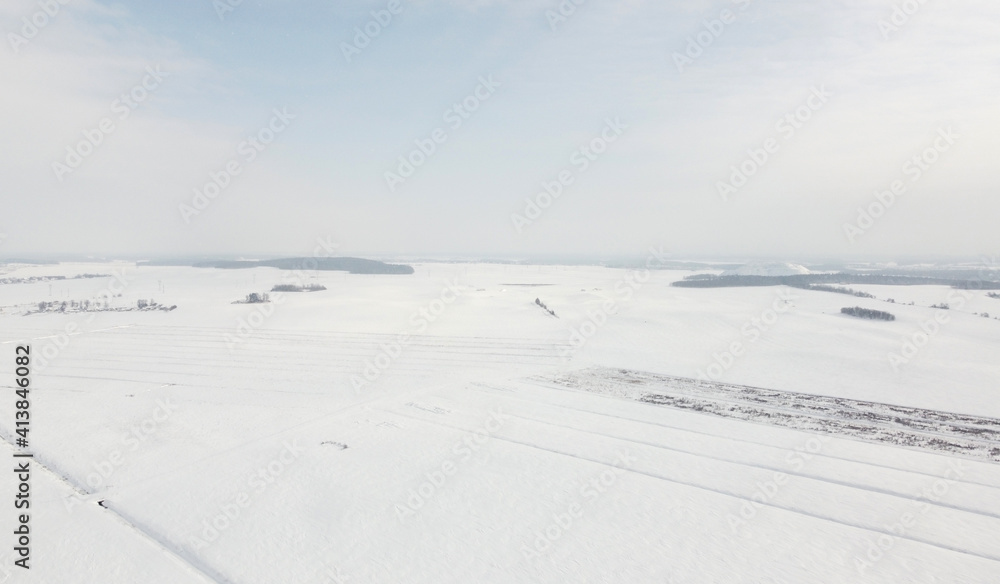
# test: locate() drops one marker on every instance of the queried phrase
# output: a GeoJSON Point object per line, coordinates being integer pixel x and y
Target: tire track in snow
{"type": "Point", "coordinates": [762, 466]}
{"type": "Point", "coordinates": [178, 556]}
{"type": "Point", "coordinates": [719, 491]}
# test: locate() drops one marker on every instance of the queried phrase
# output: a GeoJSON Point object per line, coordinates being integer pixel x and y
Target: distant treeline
{"type": "Point", "coordinates": [811, 280]}
{"type": "Point", "coordinates": [295, 288]}
{"type": "Point", "coordinates": [96, 306]}
{"type": "Point", "coordinates": [35, 262]}
{"type": "Point", "coordinates": [34, 279]}
{"type": "Point", "coordinates": [351, 265]}
{"type": "Point", "coordinates": [867, 313]}
{"type": "Point", "coordinates": [965, 273]}
{"type": "Point", "coordinates": [823, 288]}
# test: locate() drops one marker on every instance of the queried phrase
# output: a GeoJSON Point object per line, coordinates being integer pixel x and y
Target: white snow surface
{"type": "Point", "coordinates": [301, 442]}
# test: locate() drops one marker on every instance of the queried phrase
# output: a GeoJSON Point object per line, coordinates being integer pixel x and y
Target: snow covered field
{"type": "Point", "coordinates": [412, 429]}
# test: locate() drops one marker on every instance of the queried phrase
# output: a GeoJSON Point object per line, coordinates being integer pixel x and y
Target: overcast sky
{"type": "Point", "coordinates": [664, 121]}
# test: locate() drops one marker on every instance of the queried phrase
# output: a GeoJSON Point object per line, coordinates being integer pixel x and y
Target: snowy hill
{"type": "Point", "coordinates": [767, 269]}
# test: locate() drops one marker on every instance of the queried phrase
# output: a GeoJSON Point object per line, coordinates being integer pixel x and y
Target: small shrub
{"type": "Point", "coordinates": [255, 298]}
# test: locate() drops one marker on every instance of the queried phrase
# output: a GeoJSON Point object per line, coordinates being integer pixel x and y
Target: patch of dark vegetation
{"type": "Point", "coordinates": [932, 430]}
{"type": "Point", "coordinates": [545, 308]}
{"type": "Point", "coordinates": [867, 313]}
{"type": "Point", "coordinates": [294, 288]}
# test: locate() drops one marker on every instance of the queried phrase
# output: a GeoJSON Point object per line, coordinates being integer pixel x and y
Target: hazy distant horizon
{"type": "Point", "coordinates": [989, 262]}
